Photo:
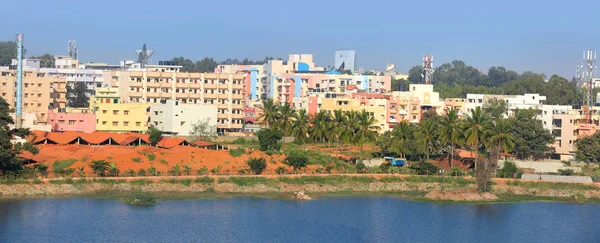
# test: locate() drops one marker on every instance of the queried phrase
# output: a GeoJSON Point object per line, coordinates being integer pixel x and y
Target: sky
{"type": "Point", "coordinates": [527, 35]}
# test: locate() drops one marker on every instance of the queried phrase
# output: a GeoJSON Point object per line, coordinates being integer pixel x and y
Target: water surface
{"type": "Point", "coordinates": [363, 219]}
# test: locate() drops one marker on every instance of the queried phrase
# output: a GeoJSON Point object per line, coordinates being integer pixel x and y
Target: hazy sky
{"type": "Point", "coordinates": [540, 36]}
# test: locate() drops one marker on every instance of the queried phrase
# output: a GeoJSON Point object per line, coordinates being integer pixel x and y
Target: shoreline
{"type": "Point", "coordinates": [413, 188]}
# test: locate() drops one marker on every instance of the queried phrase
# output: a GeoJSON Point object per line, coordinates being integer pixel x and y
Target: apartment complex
{"type": "Point", "coordinates": [114, 116]}
{"type": "Point", "coordinates": [178, 119]}
{"type": "Point", "coordinates": [40, 92]}
{"type": "Point", "coordinates": [72, 119]}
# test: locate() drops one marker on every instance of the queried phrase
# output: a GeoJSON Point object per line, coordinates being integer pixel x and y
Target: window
{"type": "Point", "coordinates": [137, 124]}
{"type": "Point", "coordinates": [61, 121]}
{"type": "Point", "coordinates": [103, 111]}
{"type": "Point", "coordinates": [125, 123]}
{"type": "Point", "coordinates": [182, 123]}
{"type": "Point", "coordinates": [71, 122]}
{"type": "Point", "coordinates": [115, 112]}
{"type": "Point", "coordinates": [103, 122]}
{"type": "Point", "coordinates": [125, 112]}
{"type": "Point", "coordinates": [115, 123]}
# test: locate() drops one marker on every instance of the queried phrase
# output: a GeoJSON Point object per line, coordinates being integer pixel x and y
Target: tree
{"type": "Point", "coordinates": [9, 160]}
{"type": "Point", "coordinates": [203, 130]}
{"type": "Point", "coordinates": [498, 134]}
{"type": "Point", "coordinates": [285, 119]}
{"type": "Point", "coordinates": [46, 60]}
{"type": "Point", "coordinates": [400, 84]}
{"type": "Point", "coordinates": [187, 64]}
{"type": "Point", "coordinates": [206, 65]}
{"type": "Point", "coordinates": [338, 118]}
{"type": "Point", "coordinates": [495, 107]}
{"type": "Point", "coordinates": [155, 135]}
{"type": "Point", "coordinates": [269, 139]}
{"type": "Point", "coordinates": [532, 140]}
{"type": "Point", "coordinates": [300, 128]}
{"type": "Point", "coordinates": [77, 95]}
{"type": "Point", "coordinates": [587, 148]}
{"type": "Point", "coordinates": [451, 132]}
{"type": "Point", "coordinates": [474, 127]}
{"type": "Point", "coordinates": [270, 113]}
{"type": "Point", "coordinates": [8, 51]}
{"type": "Point", "coordinates": [321, 127]}
{"type": "Point", "coordinates": [297, 161]}
{"type": "Point", "coordinates": [415, 75]}
{"type": "Point", "coordinates": [428, 130]}
{"type": "Point", "coordinates": [99, 167]}
{"type": "Point", "coordinates": [402, 133]}
{"type": "Point", "coordinates": [367, 129]}
{"type": "Point", "coordinates": [257, 165]}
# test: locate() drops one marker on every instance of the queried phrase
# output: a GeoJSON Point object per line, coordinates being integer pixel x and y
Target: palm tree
{"type": "Point", "coordinates": [321, 127]}
{"type": "Point", "coordinates": [474, 127]}
{"type": "Point", "coordinates": [300, 128]}
{"type": "Point", "coordinates": [498, 133]}
{"type": "Point", "coordinates": [338, 119]}
{"type": "Point", "coordinates": [285, 118]}
{"type": "Point", "coordinates": [402, 133]}
{"type": "Point", "coordinates": [367, 129]}
{"type": "Point", "coordinates": [451, 132]}
{"type": "Point", "coordinates": [270, 113]}
{"type": "Point", "coordinates": [429, 133]}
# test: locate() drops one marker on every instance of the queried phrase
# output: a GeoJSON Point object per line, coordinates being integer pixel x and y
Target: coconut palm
{"type": "Point", "coordinates": [429, 132]}
{"type": "Point", "coordinates": [300, 127]}
{"type": "Point", "coordinates": [402, 133]}
{"type": "Point", "coordinates": [474, 125]}
{"type": "Point", "coordinates": [285, 118]}
{"type": "Point", "coordinates": [366, 129]}
{"type": "Point", "coordinates": [270, 113]}
{"type": "Point", "coordinates": [350, 127]}
{"type": "Point", "coordinates": [321, 127]}
{"type": "Point", "coordinates": [338, 119]}
{"type": "Point", "coordinates": [498, 133]}
{"type": "Point", "coordinates": [451, 131]}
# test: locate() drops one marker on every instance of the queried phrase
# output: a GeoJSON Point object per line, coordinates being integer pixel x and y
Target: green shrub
{"type": "Point", "coordinates": [202, 171]}
{"type": "Point", "coordinates": [113, 170]}
{"type": "Point", "coordinates": [130, 172]}
{"type": "Point", "coordinates": [62, 164]}
{"type": "Point", "coordinates": [42, 168]}
{"type": "Point", "coordinates": [296, 161]}
{"type": "Point", "coordinates": [204, 180]}
{"type": "Point", "coordinates": [424, 168]}
{"type": "Point", "coordinates": [565, 172]}
{"type": "Point", "coordinates": [140, 198]}
{"type": "Point", "coordinates": [185, 182]}
{"type": "Point", "coordinates": [141, 172]}
{"type": "Point", "coordinates": [136, 159]}
{"type": "Point", "coordinates": [175, 170]}
{"type": "Point", "coordinates": [216, 170]}
{"type": "Point", "coordinates": [360, 168]}
{"type": "Point", "coordinates": [509, 170]}
{"type": "Point", "coordinates": [257, 165]}
{"type": "Point", "coordinates": [152, 171]}
{"type": "Point", "coordinates": [269, 139]}
{"type": "Point", "coordinates": [385, 167]}
{"type": "Point", "coordinates": [455, 171]}
{"type": "Point", "coordinates": [99, 167]}
{"type": "Point", "coordinates": [140, 182]}
{"type": "Point", "coordinates": [237, 152]}
{"type": "Point", "coordinates": [281, 170]}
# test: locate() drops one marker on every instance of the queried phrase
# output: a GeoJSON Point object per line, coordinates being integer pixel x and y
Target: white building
{"type": "Point", "coordinates": [177, 119]}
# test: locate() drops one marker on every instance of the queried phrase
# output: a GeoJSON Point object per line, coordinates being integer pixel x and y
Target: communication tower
{"type": "Point", "coordinates": [428, 68]}
{"type": "Point", "coordinates": [585, 74]}
{"type": "Point", "coordinates": [73, 50]}
{"type": "Point", "coordinates": [143, 56]}
{"type": "Point", "coordinates": [19, 80]}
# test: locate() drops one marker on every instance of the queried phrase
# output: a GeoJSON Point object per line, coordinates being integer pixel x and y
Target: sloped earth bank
{"type": "Point", "coordinates": [421, 191]}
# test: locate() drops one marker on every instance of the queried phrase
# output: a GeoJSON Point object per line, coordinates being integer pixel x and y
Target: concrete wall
{"type": "Point", "coordinates": [557, 178]}
{"type": "Point", "coordinates": [76, 122]}
{"type": "Point", "coordinates": [178, 119]}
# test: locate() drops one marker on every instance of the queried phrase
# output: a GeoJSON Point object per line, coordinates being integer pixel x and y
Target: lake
{"type": "Point", "coordinates": [360, 219]}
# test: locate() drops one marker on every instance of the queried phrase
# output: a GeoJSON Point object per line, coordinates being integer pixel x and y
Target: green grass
{"type": "Point", "coordinates": [552, 185]}
{"type": "Point", "coordinates": [164, 162]}
{"type": "Point", "coordinates": [60, 165]}
{"type": "Point", "coordinates": [108, 181]}
{"type": "Point", "coordinates": [84, 159]}
{"type": "Point", "coordinates": [185, 182]}
{"type": "Point", "coordinates": [140, 182]}
{"type": "Point", "coordinates": [140, 198]}
{"type": "Point", "coordinates": [151, 157]}
{"type": "Point", "coordinates": [13, 181]}
{"type": "Point", "coordinates": [315, 157]}
{"type": "Point", "coordinates": [204, 180]}
{"type": "Point", "coordinates": [237, 152]}
{"type": "Point", "coordinates": [223, 180]}
{"type": "Point", "coordinates": [326, 180]}
{"type": "Point", "coordinates": [136, 159]}
{"type": "Point", "coordinates": [250, 181]}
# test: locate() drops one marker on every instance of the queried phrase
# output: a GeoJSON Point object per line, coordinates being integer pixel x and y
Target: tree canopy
{"type": "Point", "coordinates": [46, 60]}
{"type": "Point", "coordinates": [9, 160]}
{"type": "Point", "coordinates": [77, 95]}
{"type": "Point", "coordinates": [8, 51]}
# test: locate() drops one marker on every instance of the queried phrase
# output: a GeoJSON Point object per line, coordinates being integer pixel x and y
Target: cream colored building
{"type": "Point", "coordinates": [114, 116]}
{"type": "Point", "coordinates": [178, 119]}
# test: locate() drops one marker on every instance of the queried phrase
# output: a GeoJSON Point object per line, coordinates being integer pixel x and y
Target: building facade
{"type": "Point", "coordinates": [114, 116]}
{"type": "Point", "coordinates": [345, 60]}
{"type": "Point", "coordinates": [74, 120]}
{"type": "Point", "coordinates": [178, 119]}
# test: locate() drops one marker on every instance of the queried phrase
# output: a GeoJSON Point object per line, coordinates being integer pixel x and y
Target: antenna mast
{"type": "Point", "coordinates": [585, 74]}
{"type": "Point", "coordinates": [428, 68]}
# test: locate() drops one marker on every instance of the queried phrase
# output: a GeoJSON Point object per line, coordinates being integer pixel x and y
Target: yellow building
{"type": "Point", "coordinates": [114, 116]}
{"type": "Point", "coordinates": [375, 107]}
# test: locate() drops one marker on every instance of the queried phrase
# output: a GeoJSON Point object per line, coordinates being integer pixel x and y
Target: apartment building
{"type": "Point", "coordinates": [114, 116]}
{"type": "Point", "coordinates": [40, 92]}
{"type": "Point", "coordinates": [226, 91]}
{"type": "Point", "coordinates": [178, 119]}
{"type": "Point", "coordinates": [72, 119]}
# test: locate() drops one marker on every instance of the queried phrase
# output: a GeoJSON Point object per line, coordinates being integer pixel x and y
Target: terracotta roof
{"type": "Point", "coordinates": [95, 138]}
{"type": "Point", "coordinates": [63, 138]}
{"type": "Point", "coordinates": [351, 87]}
{"type": "Point", "coordinates": [202, 143]}
{"type": "Point", "coordinates": [465, 154]}
{"type": "Point", "coordinates": [169, 142]}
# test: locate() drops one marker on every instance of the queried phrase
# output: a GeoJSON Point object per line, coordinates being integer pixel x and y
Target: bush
{"type": "Point", "coordinates": [141, 172]}
{"type": "Point", "coordinates": [204, 180]}
{"type": "Point", "coordinates": [130, 172]}
{"type": "Point", "coordinates": [455, 171]}
{"type": "Point", "coordinates": [175, 170]}
{"type": "Point", "coordinates": [42, 168]}
{"type": "Point", "coordinates": [99, 167]}
{"type": "Point", "coordinates": [136, 159]}
{"type": "Point", "coordinates": [565, 172]}
{"type": "Point", "coordinates": [360, 168]}
{"type": "Point", "coordinates": [151, 157]}
{"type": "Point", "coordinates": [216, 170]}
{"type": "Point", "coordinates": [257, 165]}
{"type": "Point", "coordinates": [187, 170]}
{"type": "Point", "coordinates": [236, 152]}
{"type": "Point", "coordinates": [152, 171]}
{"type": "Point", "coordinates": [297, 161]}
{"type": "Point", "coordinates": [385, 167]}
{"type": "Point", "coordinates": [113, 170]}
{"type": "Point", "coordinates": [202, 171]}
{"type": "Point", "coordinates": [509, 170]}
{"type": "Point", "coordinates": [281, 170]}
{"type": "Point", "coordinates": [140, 198]}
{"type": "Point", "coordinates": [269, 138]}
{"type": "Point", "coordinates": [424, 168]}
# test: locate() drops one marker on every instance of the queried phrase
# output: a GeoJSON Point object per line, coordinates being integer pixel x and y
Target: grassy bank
{"type": "Point", "coordinates": [282, 188]}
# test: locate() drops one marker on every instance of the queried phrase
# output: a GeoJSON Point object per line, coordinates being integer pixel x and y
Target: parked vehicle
{"type": "Point", "coordinates": [398, 162]}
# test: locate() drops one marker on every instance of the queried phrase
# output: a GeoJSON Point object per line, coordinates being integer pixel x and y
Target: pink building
{"type": "Point", "coordinates": [76, 120]}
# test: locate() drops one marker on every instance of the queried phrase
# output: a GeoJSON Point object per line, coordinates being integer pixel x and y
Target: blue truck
{"type": "Point", "coordinates": [399, 162]}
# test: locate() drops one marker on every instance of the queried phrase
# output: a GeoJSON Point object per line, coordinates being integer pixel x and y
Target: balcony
{"type": "Point", "coordinates": [135, 84]}
{"type": "Point", "coordinates": [210, 96]}
{"type": "Point", "coordinates": [222, 106]}
{"type": "Point", "coordinates": [194, 95]}
{"type": "Point", "coordinates": [237, 96]}
{"type": "Point", "coordinates": [152, 95]}
{"type": "Point", "coordinates": [153, 74]}
{"type": "Point", "coordinates": [135, 94]}
{"type": "Point", "coordinates": [165, 95]}
{"type": "Point", "coordinates": [223, 96]}
{"type": "Point", "coordinates": [210, 86]}
{"type": "Point", "coordinates": [238, 86]}
{"type": "Point", "coordinates": [222, 116]}
{"type": "Point", "coordinates": [236, 125]}
{"type": "Point", "coordinates": [194, 86]}
{"type": "Point", "coordinates": [237, 116]}
{"type": "Point", "coordinates": [223, 86]}
{"type": "Point", "coordinates": [181, 95]}
{"type": "Point", "coordinates": [222, 125]}
{"type": "Point", "coordinates": [165, 85]}
{"type": "Point", "coordinates": [152, 85]}
{"type": "Point", "coordinates": [237, 107]}
{"type": "Point", "coordinates": [182, 85]}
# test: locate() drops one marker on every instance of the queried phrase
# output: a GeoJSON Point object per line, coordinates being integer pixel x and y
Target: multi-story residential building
{"type": "Point", "coordinates": [72, 119]}
{"type": "Point", "coordinates": [114, 116]}
{"type": "Point", "coordinates": [226, 91]}
{"type": "Point", "coordinates": [344, 59]}
{"type": "Point", "coordinates": [30, 120]}
{"type": "Point", "coordinates": [178, 119]}
{"type": "Point", "coordinates": [40, 92]}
